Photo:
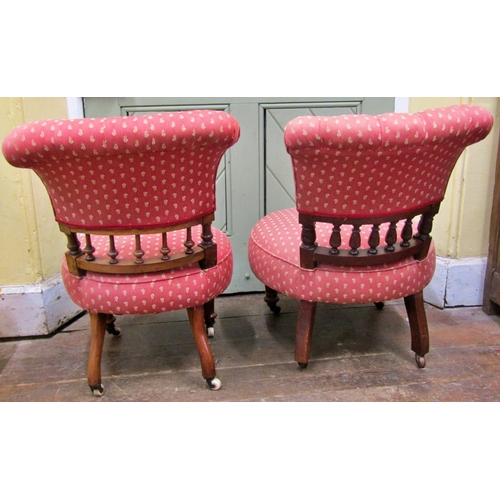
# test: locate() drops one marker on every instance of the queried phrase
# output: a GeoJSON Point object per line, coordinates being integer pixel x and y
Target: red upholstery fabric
{"type": "Point", "coordinates": [377, 165]}
{"type": "Point", "coordinates": [361, 166]}
{"type": "Point", "coordinates": [274, 259]}
{"type": "Point", "coordinates": [133, 172]}
{"type": "Point", "coordinates": [126, 172]}
{"type": "Point", "coordinates": [180, 288]}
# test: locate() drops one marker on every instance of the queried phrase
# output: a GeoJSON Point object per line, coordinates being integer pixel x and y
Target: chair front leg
{"type": "Point", "coordinates": [418, 326]}
{"type": "Point", "coordinates": [303, 336]}
{"type": "Point", "coordinates": [197, 320]}
{"type": "Point", "coordinates": [97, 333]}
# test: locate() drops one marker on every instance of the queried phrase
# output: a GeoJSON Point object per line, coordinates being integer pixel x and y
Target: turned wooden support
{"type": "Point", "coordinates": [424, 230]}
{"type": "Point", "coordinates": [208, 246]}
{"type": "Point", "coordinates": [308, 245]}
{"type": "Point", "coordinates": [370, 253]}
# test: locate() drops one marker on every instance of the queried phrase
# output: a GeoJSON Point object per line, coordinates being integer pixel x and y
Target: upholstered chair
{"type": "Point", "coordinates": [367, 190]}
{"type": "Point", "coordinates": [135, 197]}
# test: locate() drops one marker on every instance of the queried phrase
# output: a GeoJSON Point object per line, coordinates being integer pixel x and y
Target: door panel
{"type": "Point", "coordinates": [255, 176]}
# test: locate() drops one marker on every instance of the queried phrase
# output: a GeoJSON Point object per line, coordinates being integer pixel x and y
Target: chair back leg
{"type": "Point", "coordinates": [271, 299]}
{"type": "Point", "coordinates": [210, 316]}
{"type": "Point", "coordinates": [418, 326]}
{"type": "Point", "coordinates": [305, 325]}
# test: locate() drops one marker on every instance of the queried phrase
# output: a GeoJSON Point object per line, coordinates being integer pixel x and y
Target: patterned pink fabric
{"type": "Point", "coordinates": [362, 166]}
{"type": "Point", "coordinates": [134, 172]}
{"type": "Point", "coordinates": [156, 292]}
{"type": "Point", "coordinates": [126, 172]}
{"type": "Point", "coordinates": [378, 165]}
{"type": "Point", "coordinates": [274, 258]}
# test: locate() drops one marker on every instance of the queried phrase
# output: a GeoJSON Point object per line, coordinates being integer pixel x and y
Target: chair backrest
{"type": "Point", "coordinates": [127, 175]}
{"type": "Point", "coordinates": [364, 169]}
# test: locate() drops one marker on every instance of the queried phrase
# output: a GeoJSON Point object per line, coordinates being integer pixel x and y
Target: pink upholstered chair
{"type": "Point", "coordinates": [367, 190]}
{"type": "Point", "coordinates": [135, 197]}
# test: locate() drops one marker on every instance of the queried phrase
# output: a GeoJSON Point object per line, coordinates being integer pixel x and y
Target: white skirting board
{"type": "Point", "coordinates": [457, 282]}
{"type": "Point", "coordinates": [35, 310]}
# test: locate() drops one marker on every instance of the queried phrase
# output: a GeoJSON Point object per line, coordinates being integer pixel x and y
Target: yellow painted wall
{"type": "Point", "coordinates": [461, 228]}
{"type": "Point", "coordinates": [31, 244]}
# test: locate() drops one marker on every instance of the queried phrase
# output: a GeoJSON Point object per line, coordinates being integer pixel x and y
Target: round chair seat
{"type": "Point", "coordinates": [274, 258]}
{"type": "Point", "coordinates": [179, 288]}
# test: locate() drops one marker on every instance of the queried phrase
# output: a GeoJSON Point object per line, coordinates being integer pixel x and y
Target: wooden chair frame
{"type": "Point", "coordinates": [396, 248]}
{"type": "Point", "coordinates": [80, 261]}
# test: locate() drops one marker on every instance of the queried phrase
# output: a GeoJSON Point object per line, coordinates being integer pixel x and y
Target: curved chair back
{"type": "Point", "coordinates": [134, 175]}
{"type": "Point", "coordinates": [371, 166]}
{"type": "Point", "coordinates": [362, 169]}
{"type": "Point", "coordinates": [132, 172]}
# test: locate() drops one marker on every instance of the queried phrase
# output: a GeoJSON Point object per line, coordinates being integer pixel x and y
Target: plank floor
{"type": "Point", "coordinates": [359, 354]}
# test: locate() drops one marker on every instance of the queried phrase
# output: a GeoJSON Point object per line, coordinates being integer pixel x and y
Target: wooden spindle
{"type": "Point", "coordinates": [164, 250]}
{"type": "Point", "coordinates": [335, 240]}
{"type": "Point", "coordinates": [407, 234]}
{"type": "Point", "coordinates": [355, 241]}
{"type": "Point", "coordinates": [207, 236]}
{"type": "Point", "coordinates": [73, 245]}
{"type": "Point", "coordinates": [308, 245]}
{"type": "Point", "coordinates": [113, 253]}
{"type": "Point", "coordinates": [138, 252]}
{"type": "Point", "coordinates": [308, 237]}
{"type": "Point", "coordinates": [89, 249]}
{"type": "Point", "coordinates": [391, 237]}
{"type": "Point", "coordinates": [426, 223]}
{"type": "Point", "coordinates": [374, 240]}
{"type": "Point", "coordinates": [209, 246]}
{"type": "Point", "coordinates": [189, 243]}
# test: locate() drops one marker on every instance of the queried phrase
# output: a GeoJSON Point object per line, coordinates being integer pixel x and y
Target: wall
{"type": "Point", "coordinates": [32, 299]}
{"type": "Point", "coordinates": [461, 229]}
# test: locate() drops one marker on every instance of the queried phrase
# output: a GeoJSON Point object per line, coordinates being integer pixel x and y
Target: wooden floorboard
{"type": "Point", "coordinates": [358, 354]}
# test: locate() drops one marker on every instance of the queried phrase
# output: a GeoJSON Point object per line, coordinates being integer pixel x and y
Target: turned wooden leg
{"type": "Point", "coordinates": [305, 324]}
{"type": "Point", "coordinates": [271, 299]}
{"type": "Point", "coordinates": [210, 315]}
{"type": "Point", "coordinates": [418, 326]}
{"type": "Point", "coordinates": [97, 332]}
{"type": "Point", "coordinates": [197, 320]}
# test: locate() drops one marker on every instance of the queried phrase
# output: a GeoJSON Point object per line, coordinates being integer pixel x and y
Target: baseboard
{"type": "Point", "coordinates": [35, 310]}
{"type": "Point", "coordinates": [38, 310]}
{"type": "Point", "coordinates": [457, 283]}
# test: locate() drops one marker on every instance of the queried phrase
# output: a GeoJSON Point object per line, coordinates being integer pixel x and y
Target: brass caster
{"type": "Point", "coordinates": [214, 383]}
{"type": "Point", "coordinates": [98, 390]}
{"type": "Point", "coordinates": [420, 361]}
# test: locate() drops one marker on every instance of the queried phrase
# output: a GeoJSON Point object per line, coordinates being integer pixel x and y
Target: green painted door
{"type": "Point", "coordinates": [255, 176]}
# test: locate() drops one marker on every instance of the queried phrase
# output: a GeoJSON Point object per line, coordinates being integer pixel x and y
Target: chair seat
{"type": "Point", "coordinates": [274, 258]}
{"type": "Point", "coordinates": [159, 292]}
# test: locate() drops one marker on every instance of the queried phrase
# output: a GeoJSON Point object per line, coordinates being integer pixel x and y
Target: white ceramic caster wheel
{"type": "Point", "coordinates": [211, 332]}
{"type": "Point", "coordinates": [214, 384]}
{"type": "Point", "coordinates": [98, 391]}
